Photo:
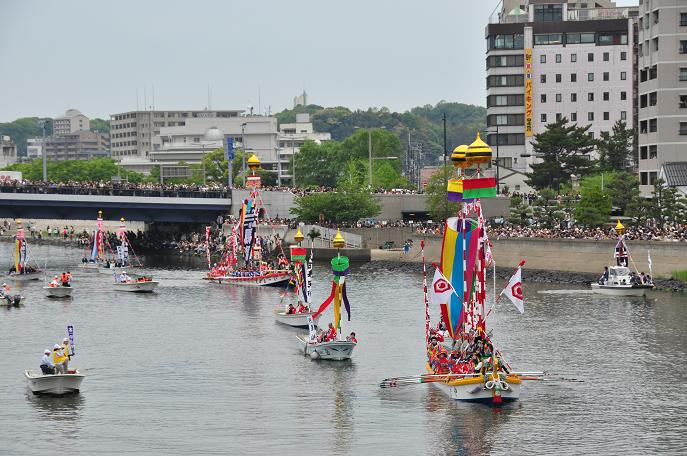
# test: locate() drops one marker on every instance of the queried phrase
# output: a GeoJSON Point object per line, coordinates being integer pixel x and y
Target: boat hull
{"type": "Point", "coordinates": [90, 266]}
{"type": "Point", "coordinates": [473, 389]}
{"type": "Point", "coordinates": [269, 280]}
{"type": "Point", "coordinates": [25, 277]}
{"type": "Point", "coordinates": [294, 320]}
{"type": "Point", "coordinates": [4, 303]}
{"type": "Point", "coordinates": [58, 292]}
{"type": "Point", "coordinates": [136, 287]}
{"type": "Point", "coordinates": [335, 351]}
{"type": "Point", "coordinates": [57, 385]}
{"type": "Point", "coordinates": [621, 290]}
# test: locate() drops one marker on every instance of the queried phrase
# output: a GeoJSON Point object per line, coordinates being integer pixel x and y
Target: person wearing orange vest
{"type": "Point", "coordinates": [64, 279]}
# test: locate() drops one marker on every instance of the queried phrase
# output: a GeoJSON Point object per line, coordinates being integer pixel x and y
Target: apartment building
{"type": "Point", "coordinates": [72, 121]}
{"type": "Point", "coordinates": [8, 151]}
{"type": "Point", "coordinates": [135, 134]}
{"type": "Point", "coordinates": [80, 145]}
{"type": "Point", "coordinates": [548, 59]}
{"type": "Point", "coordinates": [662, 64]}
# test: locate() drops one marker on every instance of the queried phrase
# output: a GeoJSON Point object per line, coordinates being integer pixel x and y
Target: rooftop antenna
{"type": "Point", "coordinates": [209, 98]}
{"type": "Point", "coordinates": [153, 88]}
{"type": "Point", "coordinates": [259, 101]}
{"type": "Point", "coordinates": [136, 98]}
{"type": "Point", "coordinates": [145, 98]}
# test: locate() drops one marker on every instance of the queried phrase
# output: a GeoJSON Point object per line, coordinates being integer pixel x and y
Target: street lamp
{"type": "Point", "coordinates": [41, 124]}
{"type": "Point", "coordinates": [498, 162]}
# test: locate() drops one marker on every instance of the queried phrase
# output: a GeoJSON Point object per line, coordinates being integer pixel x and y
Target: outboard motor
{"type": "Point", "coordinates": [16, 300]}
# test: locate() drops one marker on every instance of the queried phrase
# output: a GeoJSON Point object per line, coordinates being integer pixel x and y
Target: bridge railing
{"type": "Point", "coordinates": [114, 191]}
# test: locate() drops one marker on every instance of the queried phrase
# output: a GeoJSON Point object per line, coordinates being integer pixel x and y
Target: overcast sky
{"type": "Point", "coordinates": [94, 55]}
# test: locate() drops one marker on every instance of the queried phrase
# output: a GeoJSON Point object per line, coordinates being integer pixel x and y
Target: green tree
{"type": "Point", "coordinates": [22, 129]}
{"type": "Point", "coordinates": [546, 210]}
{"type": "Point", "coordinates": [103, 126]}
{"type": "Point", "coordinates": [564, 150]}
{"type": "Point", "coordinates": [319, 164]}
{"type": "Point", "coordinates": [438, 205]}
{"type": "Point", "coordinates": [336, 207]}
{"type": "Point", "coordinates": [615, 150]}
{"type": "Point", "coordinates": [594, 207]}
{"type": "Point", "coordinates": [623, 188]}
{"type": "Point", "coordinates": [669, 204]}
{"type": "Point", "coordinates": [96, 169]}
{"type": "Point", "coordinates": [520, 211]}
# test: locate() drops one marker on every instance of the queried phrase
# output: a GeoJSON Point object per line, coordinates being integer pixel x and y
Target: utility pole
{"type": "Point", "coordinates": [243, 140]}
{"type": "Point", "coordinates": [41, 123]}
{"type": "Point", "coordinates": [369, 151]}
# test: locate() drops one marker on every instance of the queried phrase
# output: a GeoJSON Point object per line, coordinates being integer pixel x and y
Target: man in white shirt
{"type": "Point", "coordinates": [47, 365]}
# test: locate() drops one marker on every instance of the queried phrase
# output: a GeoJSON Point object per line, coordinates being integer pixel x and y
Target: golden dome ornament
{"type": "Point", "coordinates": [459, 157]}
{"type": "Point", "coordinates": [478, 152]}
{"type": "Point", "coordinates": [253, 163]}
{"type": "Point", "coordinates": [339, 242]}
{"type": "Point", "coordinates": [299, 236]}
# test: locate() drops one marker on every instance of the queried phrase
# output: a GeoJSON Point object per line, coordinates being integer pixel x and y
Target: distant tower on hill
{"type": "Point", "coordinates": [300, 100]}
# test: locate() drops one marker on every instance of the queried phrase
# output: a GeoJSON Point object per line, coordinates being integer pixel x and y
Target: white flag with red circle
{"type": "Point", "coordinates": [513, 290]}
{"type": "Point", "coordinates": [440, 292]}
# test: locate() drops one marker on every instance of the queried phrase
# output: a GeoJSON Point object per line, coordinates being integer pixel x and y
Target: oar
{"type": "Point", "coordinates": [417, 379]}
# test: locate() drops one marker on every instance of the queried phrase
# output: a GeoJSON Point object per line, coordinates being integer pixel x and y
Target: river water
{"type": "Point", "coordinates": [204, 369]}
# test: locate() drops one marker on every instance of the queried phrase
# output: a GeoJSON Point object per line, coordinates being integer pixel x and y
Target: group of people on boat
{"type": "Point", "coordinates": [123, 277]}
{"type": "Point", "coordinates": [300, 308]}
{"type": "Point", "coordinates": [56, 361]}
{"type": "Point", "coordinates": [6, 294]}
{"type": "Point", "coordinates": [64, 280]}
{"type": "Point", "coordinates": [24, 270]}
{"type": "Point", "coordinates": [635, 279]}
{"type": "Point", "coordinates": [470, 354]}
{"type": "Point", "coordinates": [330, 334]}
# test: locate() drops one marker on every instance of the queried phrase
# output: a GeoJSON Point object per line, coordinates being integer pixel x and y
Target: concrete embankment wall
{"type": "Point", "coordinates": [567, 255]}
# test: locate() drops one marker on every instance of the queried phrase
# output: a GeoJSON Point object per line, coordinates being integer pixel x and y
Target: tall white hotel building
{"type": "Point", "coordinates": [555, 58]}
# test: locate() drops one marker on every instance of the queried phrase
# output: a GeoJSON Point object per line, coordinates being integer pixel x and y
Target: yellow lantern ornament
{"type": "Point", "coordinates": [339, 242]}
{"type": "Point", "coordinates": [478, 152]}
{"type": "Point", "coordinates": [459, 157]}
{"type": "Point", "coordinates": [299, 236]}
{"type": "Point", "coordinates": [253, 163]}
{"type": "Point", "coordinates": [619, 227]}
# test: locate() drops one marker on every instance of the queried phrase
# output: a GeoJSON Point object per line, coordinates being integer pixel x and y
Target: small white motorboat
{"type": "Point", "coordinates": [135, 286]}
{"type": "Point", "coordinates": [297, 320]}
{"type": "Point", "coordinates": [11, 300]}
{"type": "Point", "coordinates": [58, 292]}
{"type": "Point", "coordinates": [620, 283]}
{"type": "Point", "coordinates": [90, 266]}
{"type": "Point", "coordinates": [54, 384]}
{"type": "Point", "coordinates": [336, 350]}
{"type": "Point", "coordinates": [36, 275]}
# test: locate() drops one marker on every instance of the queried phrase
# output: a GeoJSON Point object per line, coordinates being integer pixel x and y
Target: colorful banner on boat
{"type": "Point", "coordinates": [248, 228]}
{"type": "Point", "coordinates": [340, 268]}
{"type": "Point", "coordinates": [458, 254]}
{"type": "Point", "coordinates": [455, 190]}
{"type": "Point", "coordinates": [483, 187]}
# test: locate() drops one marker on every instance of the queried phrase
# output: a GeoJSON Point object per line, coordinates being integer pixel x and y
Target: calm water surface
{"type": "Point", "coordinates": [203, 369]}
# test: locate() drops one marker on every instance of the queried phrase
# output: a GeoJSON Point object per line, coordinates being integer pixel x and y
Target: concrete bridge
{"type": "Point", "coordinates": [149, 209]}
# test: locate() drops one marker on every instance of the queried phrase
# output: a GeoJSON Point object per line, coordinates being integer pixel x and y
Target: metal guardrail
{"type": "Point", "coordinates": [113, 191]}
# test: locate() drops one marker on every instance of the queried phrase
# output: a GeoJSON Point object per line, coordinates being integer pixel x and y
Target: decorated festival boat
{"type": "Point", "coordinates": [23, 269]}
{"type": "Point", "coordinates": [330, 343]}
{"type": "Point", "coordinates": [122, 256]}
{"type": "Point", "coordinates": [618, 280]}
{"type": "Point", "coordinates": [244, 236]}
{"type": "Point", "coordinates": [465, 364]}
{"type": "Point", "coordinates": [298, 315]}
{"type": "Point", "coordinates": [56, 384]}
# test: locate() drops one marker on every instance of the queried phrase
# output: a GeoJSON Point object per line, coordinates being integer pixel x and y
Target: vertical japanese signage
{"type": "Point", "coordinates": [528, 92]}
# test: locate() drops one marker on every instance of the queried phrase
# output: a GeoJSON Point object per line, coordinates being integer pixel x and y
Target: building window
{"type": "Point", "coordinates": [607, 115]}
{"type": "Point", "coordinates": [580, 38]}
{"type": "Point", "coordinates": [591, 134]}
{"type": "Point", "coordinates": [654, 44]}
{"type": "Point", "coordinates": [559, 58]}
{"type": "Point", "coordinates": [548, 38]}
{"type": "Point", "coordinates": [542, 58]}
{"type": "Point", "coordinates": [606, 76]}
{"type": "Point", "coordinates": [623, 115]}
{"type": "Point", "coordinates": [559, 116]}
{"type": "Point", "coordinates": [683, 19]}
{"type": "Point", "coordinates": [542, 98]}
{"type": "Point", "coordinates": [514, 80]}
{"type": "Point", "coordinates": [590, 57]}
{"type": "Point", "coordinates": [623, 96]}
{"type": "Point", "coordinates": [507, 139]}
{"type": "Point", "coordinates": [643, 101]}
{"type": "Point", "coordinates": [590, 116]}
{"type": "Point", "coordinates": [573, 77]}
{"type": "Point", "coordinates": [623, 75]}
{"type": "Point", "coordinates": [504, 100]}
{"type": "Point", "coordinates": [642, 153]}
{"type": "Point", "coordinates": [683, 46]}
{"type": "Point", "coordinates": [643, 75]}
{"type": "Point", "coordinates": [683, 101]}
{"type": "Point", "coordinates": [542, 78]}
{"type": "Point", "coordinates": [590, 96]}
{"type": "Point", "coordinates": [607, 56]}
{"type": "Point", "coordinates": [653, 125]}
{"type": "Point", "coordinates": [683, 74]}
{"type": "Point", "coordinates": [543, 118]}
{"type": "Point", "coordinates": [653, 98]}
{"type": "Point", "coordinates": [607, 96]}
{"type": "Point", "coordinates": [643, 127]}
{"type": "Point", "coordinates": [590, 77]}
{"type": "Point", "coordinates": [516, 41]}
{"type": "Point", "coordinates": [573, 58]}
{"type": "Point", "coordinates": [505, 61]}
{"type": "Point", "coordinates": [653, 175]}
{"type": "Point", "coordinates": [573, 116]}
{"type": "Point", "coordinates": [643, 178]}
{"type": "Point", "coordinates": [653, 72]}
{"type": "Point", "coordinates": [559, 78]}
{"type": "Point", "coordinates": [548, 13]}
{"type": "Point", "coordinates": [623, 55]}
{"type": "Point", "coordinates": [653, 151]}
{"type": "Point", "coordinates": [506, 119]}
{"type": "Point", "coordinates": [573, 97]}
{"type": "Point", "coordinates": [683, 128]}
{"type": "Point", "coordinates": [559, 98]}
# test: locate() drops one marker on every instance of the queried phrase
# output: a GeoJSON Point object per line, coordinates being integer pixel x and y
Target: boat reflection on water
{"type": "Point", "coordinates": [339, 374]}
{"type": "Point", "coordinates": [463, 428]}
{"type": "Point", "coordinates": [63, 411]}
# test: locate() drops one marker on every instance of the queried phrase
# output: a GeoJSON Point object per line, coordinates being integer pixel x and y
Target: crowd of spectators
{"type": "Point", "coordinates": [649, 232]}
